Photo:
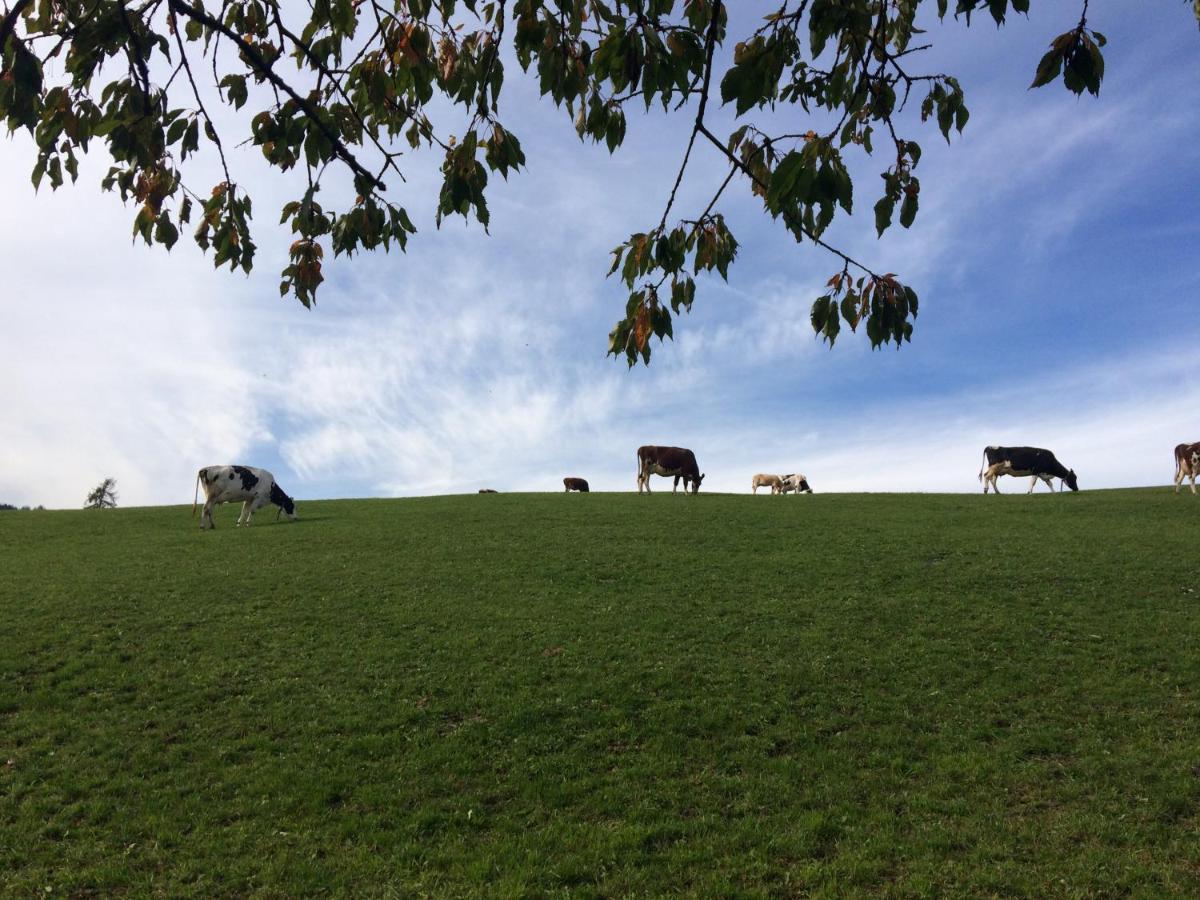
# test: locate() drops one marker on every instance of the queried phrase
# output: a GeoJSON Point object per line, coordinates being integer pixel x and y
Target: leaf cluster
{"type": "Point", "coordinates": [353, 85]}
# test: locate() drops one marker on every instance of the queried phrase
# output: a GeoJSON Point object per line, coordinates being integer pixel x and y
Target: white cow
{"type": "Point", "coordinates": [254, 487]}
{"type": "Point", "coordinates": [761, 480]}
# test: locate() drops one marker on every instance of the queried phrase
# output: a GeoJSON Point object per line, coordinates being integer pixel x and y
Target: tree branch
{"type": "Point", "coordinates": [788, 219]}
{"type": "Point", "coordinates": [710, 43]}
{"type": "Point", "coordinates": [183, 59]}
{"type": "Point", "coordinates": [264, 68]}
{"type": "Point", "coordinates": [10, 21]}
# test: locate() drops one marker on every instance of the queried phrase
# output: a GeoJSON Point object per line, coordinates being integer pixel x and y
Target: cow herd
{"type": "Point", "coordinates": [255, 488]}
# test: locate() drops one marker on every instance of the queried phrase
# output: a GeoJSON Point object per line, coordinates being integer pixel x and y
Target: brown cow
{"type": "Point", "coordinates": [668, 461]}
{"type": "Point", "coordinates": [774, 482]}
{"type": "Point", "coordinates": [1187, 464]}
{"type": "Point", "coordinates": [488, 491]}
{"type": "Point", "coordinates": [576, 484]}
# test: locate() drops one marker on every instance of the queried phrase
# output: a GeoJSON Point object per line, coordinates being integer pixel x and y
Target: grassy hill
{"type": "Point", "coordinates": [606, 694]}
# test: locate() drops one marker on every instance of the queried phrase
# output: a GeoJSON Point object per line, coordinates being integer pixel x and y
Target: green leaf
{"type": "Point", "coordinates": [783, 181]}
{"type": "Point", "coordinates": [1048, 69]}
{"type": "Point", "coordinates": [908, 209]}
{"type": "Point", "coordinates": [850, 309]}
{"type": "Point", "coordinates": [883, 214]}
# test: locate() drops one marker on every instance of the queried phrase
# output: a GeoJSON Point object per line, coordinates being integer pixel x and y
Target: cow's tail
{"type": "Point", "coordinates": [196, 496]}
{"type": "Point", "coordinates": [984, 464]}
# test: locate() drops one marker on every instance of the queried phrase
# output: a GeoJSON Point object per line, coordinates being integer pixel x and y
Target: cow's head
{"type": "Point", "coordinates": [804, 485]}
{"type": "Point", "coordinates": [696, 483]}
{"type": "Point", "coordinates": [287, 507]}
{"type": "Point", "coordinates": [1071, 481]}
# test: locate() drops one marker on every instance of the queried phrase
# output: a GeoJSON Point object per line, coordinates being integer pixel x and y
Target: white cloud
{"type": "Point", "coordinates": [476, 361]}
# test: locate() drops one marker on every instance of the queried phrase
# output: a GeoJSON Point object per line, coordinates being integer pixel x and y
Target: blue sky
{"type": "Point", "coordinates": [1054, 255]}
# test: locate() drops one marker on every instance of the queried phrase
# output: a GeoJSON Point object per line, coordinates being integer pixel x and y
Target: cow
{"type": "Point", "coordinates": [1187, 464]}
{"type": "Point", "coordinates": [254, 487]}
{"type": "Point", "coordinates": [668, 461]}
{"type": "Point", "coordinates": [774, 482]}
{"type": "Point", "coordinates": [488, 491]}
{"type": "Point", "coordinates": [794, 482]}
{"type": "Point", "coordinates": [576, 484]}
{"type": "Point", "coordinates": [1021, 461]}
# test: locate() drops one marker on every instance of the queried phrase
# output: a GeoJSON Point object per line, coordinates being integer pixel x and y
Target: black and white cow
{"type": "Point", "coordinates": [668, 461]}
{"type": "Point", "coordinates": [228, 484]}
{"type": "Point", "coordinates": [1021, 461]}
{"type": "Point", "coordinates": [794, 482]}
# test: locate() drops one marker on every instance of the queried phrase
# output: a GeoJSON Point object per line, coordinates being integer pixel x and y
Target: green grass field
{"type": "Point", "coordinates": [605, 695]}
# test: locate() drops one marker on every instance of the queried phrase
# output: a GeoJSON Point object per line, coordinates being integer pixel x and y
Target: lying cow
{"type": "Point", "coordinates": [1021, 461]}
{"type": "Point", "coordinates": [488, 491]}
{"type": "Point", "coordinates": [1187, 464]}
{"type": "Point", "coordinates": [228, 484]}
{"type": "Point", "coordinates": [774, 482]}
{"type": "Point", "coordinates": [794, 482]}
{"type": "Point", "coordinates": [668, 461]}
{"type": "Point", "coordinates": [576, 484]}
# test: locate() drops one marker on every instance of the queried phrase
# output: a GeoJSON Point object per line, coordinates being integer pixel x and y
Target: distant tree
{"type": "Point", "coordinates": [104, 496]}
{"type": "Point", "coordinates": [348, 84]}
{"type": "Point", "coordinates": [4, 506]}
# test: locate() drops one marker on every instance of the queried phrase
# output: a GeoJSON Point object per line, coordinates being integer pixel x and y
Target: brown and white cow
{"type": "Point", "coordinates": [774, 482]}
{"type": "Point", "coordinates": [677, 462]}
{"type": "Point", "coordinates": [1187, 464]}
{"type": "Point", "coordinates": [576, 484]}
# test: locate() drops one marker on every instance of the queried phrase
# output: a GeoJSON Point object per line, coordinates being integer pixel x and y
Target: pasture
{"type": "Point", "coordinates": [605, 695]}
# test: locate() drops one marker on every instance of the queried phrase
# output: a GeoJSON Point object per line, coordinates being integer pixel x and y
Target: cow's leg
{"type": "Point", "coordinates": [255, 505]}
{"type": "Point", "coordinates": [1192, 476]}
{"type": "Point", "coordinates": [1033, 480]}
{"type": "Point", "coordinates": [206, 517]}
{"type": "Point", "coordinates": [244, 515]}
{"type": "Point", "coordinates": [675, 489]}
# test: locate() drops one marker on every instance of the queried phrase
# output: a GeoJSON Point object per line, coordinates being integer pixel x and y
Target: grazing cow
{"type": "Point", "coordinates": [576, 484]}
{"type": "Point", "coordinates": [1021, 461]}
{"type": "Point", "coordinates": [254, 487]}
{"type": "Point", "coordinates": [668, 461]}
{"type": "Point", "coordinates": [488, 491]}
{"type": "Point", "coordinates": [774, 482]}
{"type": "Point", "coordinates": [795, 482]}
{"type": "Point", "coordinates": [1187, 464]}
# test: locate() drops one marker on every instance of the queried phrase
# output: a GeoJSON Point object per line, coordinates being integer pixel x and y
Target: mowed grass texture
{"type": "Point", "coordinates": [605, 695]}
